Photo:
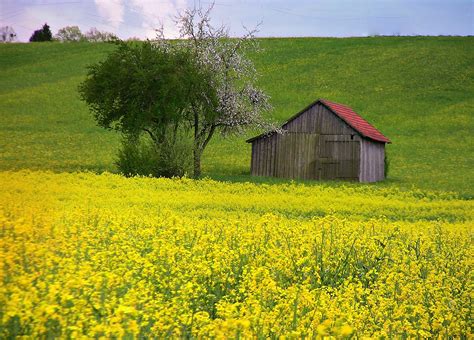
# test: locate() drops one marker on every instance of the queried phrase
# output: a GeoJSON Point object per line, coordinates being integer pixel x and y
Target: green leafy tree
{"type": "Point", "coordinates": [143, 88]}
{"type": "Point", "coordinates": [201, 84]}
{"type": "Point", "coordinates": [43, 34]}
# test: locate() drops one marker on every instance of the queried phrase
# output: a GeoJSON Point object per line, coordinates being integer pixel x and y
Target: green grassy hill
{"type": "Point", "coordinates": [417, 90]}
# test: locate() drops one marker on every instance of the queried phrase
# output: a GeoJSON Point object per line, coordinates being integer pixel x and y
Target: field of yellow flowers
{"type": "Point", "coordinates": [85, 255]}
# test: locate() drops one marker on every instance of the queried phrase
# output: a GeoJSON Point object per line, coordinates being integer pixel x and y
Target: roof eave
{"type": "Point", "coordinates": [265, 134]}
{"type": "Point", "coordinates": [387, 141]}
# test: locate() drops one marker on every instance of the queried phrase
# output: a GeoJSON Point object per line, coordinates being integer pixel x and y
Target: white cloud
{"type": "Point", "coordinates": [111, 10]}
{"type": "Point", "coordinates": [157, 13]}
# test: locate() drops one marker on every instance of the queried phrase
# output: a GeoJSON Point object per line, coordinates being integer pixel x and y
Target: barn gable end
{"type": "Point", "coordinates": [318, 119]}
{"type": "Point", "coordinates": [324, 141]}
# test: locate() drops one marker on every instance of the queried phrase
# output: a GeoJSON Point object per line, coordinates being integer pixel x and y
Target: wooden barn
{"type": "Point", "coordinates": [324, 141]}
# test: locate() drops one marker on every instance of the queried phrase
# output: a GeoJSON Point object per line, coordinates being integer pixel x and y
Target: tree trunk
{"type": "Point", "coordinates": [197, 149]}
{"type": "Point", "coordinates": [197, 162]}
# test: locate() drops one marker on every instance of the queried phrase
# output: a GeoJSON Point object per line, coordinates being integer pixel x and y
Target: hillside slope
{"type": "Point", "coordinates": [417, 90]}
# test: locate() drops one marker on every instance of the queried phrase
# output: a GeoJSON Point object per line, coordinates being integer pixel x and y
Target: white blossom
{"type": "Point", "coordinates": [241, 104]}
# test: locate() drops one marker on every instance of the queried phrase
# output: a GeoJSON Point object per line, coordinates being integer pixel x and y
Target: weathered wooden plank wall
{"type": "Point", "coordinates": [263, 156]}
{"type": "Point", "coordinates": [340, 155]}
{"type": "Point", "coordinates": [318, 119]}
{"type": "Point", "coordinates": [318, 145]}
{"type": "Point", "coordinates": [372, 167]}
{"type": "Point", "coordinates": [295, 155]}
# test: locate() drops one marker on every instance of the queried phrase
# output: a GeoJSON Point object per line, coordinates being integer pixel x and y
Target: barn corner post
{"type": "Point", "coordinates": [252, 158]}
{"type": "Point", "coordinates": [324, 141]}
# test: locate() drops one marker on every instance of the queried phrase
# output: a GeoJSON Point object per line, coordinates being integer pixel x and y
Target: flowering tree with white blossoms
{"type": "Point", "coordinates": [234, 102]}
{"type": "Point", "coordinates": [69, 34]}
{"type": "Point", "coordinates": [7, 34]}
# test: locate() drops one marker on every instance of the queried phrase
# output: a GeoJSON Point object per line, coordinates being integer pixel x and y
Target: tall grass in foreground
{"type": "Point", "coordinates": [87, 255]}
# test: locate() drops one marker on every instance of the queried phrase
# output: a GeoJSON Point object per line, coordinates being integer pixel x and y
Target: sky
{"type": "Point", "coordinates": [278, 18]}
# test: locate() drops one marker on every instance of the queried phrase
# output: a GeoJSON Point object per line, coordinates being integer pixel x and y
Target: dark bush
{"type": "Point", "coordinates": [144, 158]}
{"type": "Point", "coordinates": [137, 158]}
{"type": "Point", "coordinates": [43, 34]}
{"type": "Point", "coordinates": [175, 158]}
{"type": "Point", "coordinates": [386, 162]}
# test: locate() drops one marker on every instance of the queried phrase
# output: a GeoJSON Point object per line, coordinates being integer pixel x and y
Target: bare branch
{"type": "Point", "coordinates": [152, 136]}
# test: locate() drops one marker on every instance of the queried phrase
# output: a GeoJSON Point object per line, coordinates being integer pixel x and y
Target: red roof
{"type": "Point", "coordinates": [355, 121]}
{"type": "Point", "coordinates": [346, 114]}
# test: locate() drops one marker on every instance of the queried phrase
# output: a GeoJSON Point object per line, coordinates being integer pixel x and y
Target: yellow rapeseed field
{"type": "Point", "coordinates": [85, 255]}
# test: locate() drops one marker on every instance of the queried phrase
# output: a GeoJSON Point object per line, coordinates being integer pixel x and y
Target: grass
{"type": "Point", "coordinates": [101, 255]}
{"type": "Point", "coordinates": [417, 90]}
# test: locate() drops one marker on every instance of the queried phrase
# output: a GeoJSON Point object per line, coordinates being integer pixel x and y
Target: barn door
{"type": "Point", "coordinates": [296, 155]}
{"type": "Point", "coordinates": [339, 158]}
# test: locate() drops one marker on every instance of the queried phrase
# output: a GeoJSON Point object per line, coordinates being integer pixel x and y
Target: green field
{"type": "Point", "coordinates": [417, 90]}
{"type": "Point", "coordinates": [85, 253]}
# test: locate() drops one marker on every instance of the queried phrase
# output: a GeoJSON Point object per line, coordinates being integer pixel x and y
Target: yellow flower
{"type": "Point", "coordinates": [102, 256]}
{"type": "Point", "coordinates": [346, 330]}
